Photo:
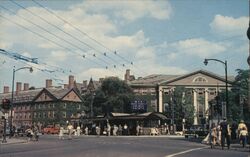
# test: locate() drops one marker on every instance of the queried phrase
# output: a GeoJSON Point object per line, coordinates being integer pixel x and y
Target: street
{"type": "Point", "coordinates": [90, 146]}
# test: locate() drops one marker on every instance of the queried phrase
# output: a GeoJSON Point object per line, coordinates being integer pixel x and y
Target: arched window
{"type": "Point", "coordinates": [200, 79]}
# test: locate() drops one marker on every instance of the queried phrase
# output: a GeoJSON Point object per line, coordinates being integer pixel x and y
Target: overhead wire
{"type": "Point", "coordinates": [85, 34]}
{"type": "Point", "coordinates": [41, 36]}
{"type": "Point", "coordinates": [55, 26]}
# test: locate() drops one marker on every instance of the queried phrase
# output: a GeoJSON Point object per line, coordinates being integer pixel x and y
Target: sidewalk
{"type": "Point", "coordinates": [13, 140]}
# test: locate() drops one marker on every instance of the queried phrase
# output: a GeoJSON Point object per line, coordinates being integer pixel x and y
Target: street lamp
{"type": "Point", "coordinates": [225, 64]}
{"type": "Point", "coordinates": [12, 93]}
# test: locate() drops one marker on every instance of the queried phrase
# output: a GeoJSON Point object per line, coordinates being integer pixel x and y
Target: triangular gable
{"type": "Point", "coordinates": [44, 95]}
{"type": "Point", "coordinates": [200, 77]}
{"type": "Point", "coordinates": [72, 96]}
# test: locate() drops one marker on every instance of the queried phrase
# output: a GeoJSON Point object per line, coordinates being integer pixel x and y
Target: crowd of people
{"type": "Point", "coordinates": [224, 132]}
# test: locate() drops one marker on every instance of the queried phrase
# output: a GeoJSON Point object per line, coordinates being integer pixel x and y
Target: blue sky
{"type": "Point", "coordinates": [159, 37]}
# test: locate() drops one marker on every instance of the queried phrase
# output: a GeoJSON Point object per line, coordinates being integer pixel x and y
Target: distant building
{"type": "Point", "coordinates": [49, 105]}
{"type": "Point", "coordinates": [203, 87]}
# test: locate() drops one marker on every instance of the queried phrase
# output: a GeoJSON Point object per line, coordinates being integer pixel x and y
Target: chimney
{"type": "Point", "coordinates": [18, 87]}
{"type": "Point", "coordinates": [6, 89]}
{"type": "Point", "coordinates": [127, 75]}
{"type": "Point", "coordinates": [85, 83]}
{"type": "Point", "coordinates": [71, 81]}
{"type": "Point", "coordinates": [101, 80]}
{"type": "Point", "coordinates": [48, 83]}
{"type": "Point", "coordinates": [65, 86]}
{"type": "Point", "coordinates": [25, 86]}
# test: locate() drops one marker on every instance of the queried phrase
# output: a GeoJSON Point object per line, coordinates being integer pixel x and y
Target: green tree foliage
{"type": "Point", "coordinates": [113, 96]}
{"type": "Point", "coordinates": [180, 106]}
{"type": "Point", "coordinates": [238, 97]}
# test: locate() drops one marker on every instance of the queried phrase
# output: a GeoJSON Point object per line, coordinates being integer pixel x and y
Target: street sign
{"type": "Point", "coordinates": [139, 105]}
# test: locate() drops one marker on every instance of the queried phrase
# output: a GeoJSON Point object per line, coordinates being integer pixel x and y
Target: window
{"type": "Point", "coordinates": [64, 105]}
{"type": "Point", "coordinates": [79, 106]}
{"type": "Point", "coordinates": [64, 114]}
{"type": "Point", "coordinates": [200, 79]}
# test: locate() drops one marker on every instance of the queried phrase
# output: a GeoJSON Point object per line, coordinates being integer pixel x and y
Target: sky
{"type": "Point", "coordinates": [104, 38]}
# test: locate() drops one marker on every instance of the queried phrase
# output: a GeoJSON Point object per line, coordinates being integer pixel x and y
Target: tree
{"type": "Point", "coordinates": [180, 106]}
{"type": "Point", "coordinates": [114, 95]}
{"type": "Point", "coordinates": [238, 97]}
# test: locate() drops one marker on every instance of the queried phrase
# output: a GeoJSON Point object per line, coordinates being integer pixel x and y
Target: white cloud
{"type": "Point", "coordinates": [227, 26]}
{"type": "Point", "coordinates": [59, 55]}
{"type": "Point", "coordinates": [130, 10]}
{"type": "Point", "coordinates": [97, 73]}
{"type": "Point", "coordinates": [199, 47]}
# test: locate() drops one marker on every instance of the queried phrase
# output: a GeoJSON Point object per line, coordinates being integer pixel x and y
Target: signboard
{"type": "Point", "coordinates": [139, 105]}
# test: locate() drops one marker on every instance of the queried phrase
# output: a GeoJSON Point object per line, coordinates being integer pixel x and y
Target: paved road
{"type": "Point", "coordinates": [51, 146]}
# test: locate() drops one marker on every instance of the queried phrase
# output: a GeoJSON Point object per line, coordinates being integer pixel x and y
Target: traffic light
{"type": "Point", "coordinates": [5, 104]}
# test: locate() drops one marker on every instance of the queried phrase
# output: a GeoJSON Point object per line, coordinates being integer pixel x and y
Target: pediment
{"type": "Point", "coordinates": [44, 95]}
{"type": "Point", "coordinates": [71, 96]}
{"type": "Point", "coordinates": [199, 78]}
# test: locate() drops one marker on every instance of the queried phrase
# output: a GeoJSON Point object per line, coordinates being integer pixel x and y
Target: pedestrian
{"type": "Point", "coordinates": [243, 136]}
{"type": "Point", "coordinates": [86, 130]}
{"type": "Point", "coordinates": [241, 126]}
{"type": "Point", "coordinates": [115, 130]}
{"type": "Point", "coordinates": [70, 128]}
{"type": "Point", "coordinates": [213, 135]}
{"type": "Point", "coordinates": [78, 130]}
{"type": "Point", "coordinates": [98, 131]}
{"type": "Point", "coordinates": [35, 130]}
{"type": "Point", "coordinates": [218, 130]}
{"type": "Point", "coordinates": [225, 133]}
{"type": "Point", "coordinates": [29, 133]}
{"type": "Point", "coordinates": [61, 133]}
{"type": "Point", "coordinates": [108, 129]}
{"type": "Point", "coordinates": [120, 130]}
{"type": "Point", "coordinates": [125, 128]}
{"type": "Point", "coordinates": [137, 130]}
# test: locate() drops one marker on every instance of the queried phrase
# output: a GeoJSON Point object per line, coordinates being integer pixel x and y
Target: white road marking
{"type": "Point", "coordinates": [186, 151]}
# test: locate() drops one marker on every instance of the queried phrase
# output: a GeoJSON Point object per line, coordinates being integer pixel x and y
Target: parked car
{"type": "Point", "coordinates": [196, 132]}
{"type": "Point", "coordinates": [50, 129]}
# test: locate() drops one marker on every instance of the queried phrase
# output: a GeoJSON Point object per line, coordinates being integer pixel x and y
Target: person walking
{"type": "Point", "coordinates": [70, 128]}
{"type": "Point", "coordinates": [115, 130]}
{"type": "Point", "coordinates": [241, 126]}
{"type": "Point", "coordinates": [108, 129]}
{"type": "Point", "coordinates": [86, 130]}
{"type": "Point", "coordinates": [78, 131]}
{"type": "Point", "coordinates": [225, 133]}
{"type": "Point", "coordinates": [137, 130]}
{"type": "Point", "coordinates": [213, 135]}
{"type": "Point", "coordinates": [243, 136]}
{"type": "Point", "coordinates": [98, 130]}
{"type": "Point", "coordinates": [61, 133]}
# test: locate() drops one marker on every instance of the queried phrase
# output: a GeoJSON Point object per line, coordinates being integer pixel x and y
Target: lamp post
{"type": "Point", "coordinates": [225, 64]}
{"type": "Point", "coordinates": [12, 94]}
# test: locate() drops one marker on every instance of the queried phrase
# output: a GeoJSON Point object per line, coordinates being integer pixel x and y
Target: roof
{"type": "Point", "coordinates": [30, 95]}
{"type": "Point", "coordinates": [205, 72]}
{"type": "Point", "coordinates": [153, 80]}
{"type": "Point", "coordinates": [58, 92]}
{"type": "Point", "coordinates": [147, 115]}
{"type": "Point", "coordinates": [22, 96]}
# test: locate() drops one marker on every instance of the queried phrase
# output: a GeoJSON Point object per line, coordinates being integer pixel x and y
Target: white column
{"type": "Point", "coordinates": [160, 100]}
{"type": "Point", "coordinates": [206, 103]}
{"type": "Point", "coordinates": [195, 108]}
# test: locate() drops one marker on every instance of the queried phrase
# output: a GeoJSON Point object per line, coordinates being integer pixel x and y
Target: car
{"type": "Point", "coordinates": [196, 132]}
{"type": "Point", "coordinates": [50, 129]}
